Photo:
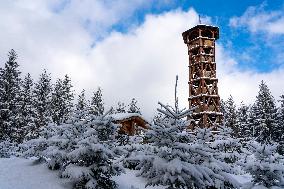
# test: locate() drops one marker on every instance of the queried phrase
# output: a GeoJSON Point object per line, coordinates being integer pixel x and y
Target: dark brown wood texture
{"type": "Point", "coordinates": [203, 83]}
{"type": "Point", "coordinates": [132, 125]}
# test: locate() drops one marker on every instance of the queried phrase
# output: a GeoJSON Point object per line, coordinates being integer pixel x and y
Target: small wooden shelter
{"type": "Point", "coordinates": [132, 123]}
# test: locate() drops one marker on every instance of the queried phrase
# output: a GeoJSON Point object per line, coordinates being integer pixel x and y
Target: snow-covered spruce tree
{"type": "Point", "coordinates": [97, 104]}
{"type": "Point", "coordinates": [57, 102]}
{"type": "Point", "coordinates": [132, 107]}
{"type": "Point", "coordinates": [61, 101]}
{"type": "Point", "coordinates": [56, 141]}
{"type": "Point", "coordinates": [280, 125]}
{"type": "Point", "coordinates": [91, 164]}
{"type": "Point", "coordinates": [228, 148]}
{"type": "Point", "coordinates": [265, 128]}
{"type": "Point", "coordinates": [68, 97]}
{"type": "Point", "coordinates": [26, 108]}
{"type": "Point", "coordinates": [245, 131]}
{"type": "Point", "coordinates": [230, 116]}
{"type": "Point", "coordinates": [134, 152]}
{"type": "Point", "coordinates": [222, 108]}
{"type": "Point", "coordinates": [42, 93]}
{"type": "Point", "coordinates": [81, 102]}
{"type": "Point", "coordinates": [265, 165]}
{"type": "Point", "coordinates": [252, 120]}
{"type": "Point", "coordinates": [180, 159]}
{"type": "Point", "coordinates": [120, 108]}
{"type": "Point", "coordinates": [9, 98]}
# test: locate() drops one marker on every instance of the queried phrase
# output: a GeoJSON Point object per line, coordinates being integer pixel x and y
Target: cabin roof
{"type": "Point", "coordinates": [124, 116]}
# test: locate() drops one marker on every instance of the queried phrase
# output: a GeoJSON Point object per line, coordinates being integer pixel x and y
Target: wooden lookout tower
{"type": "Point", "coordinates": [203, 89]}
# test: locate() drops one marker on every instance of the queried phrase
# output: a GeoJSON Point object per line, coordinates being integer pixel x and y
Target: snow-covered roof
{"type": "Point", "coordinates": [121, 116]}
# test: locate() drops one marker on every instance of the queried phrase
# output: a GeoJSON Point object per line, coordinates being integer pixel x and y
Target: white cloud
{"type": "Point", "coordinates": [256, 19]}
{"type": "Point", "coordinates": [140, 63]}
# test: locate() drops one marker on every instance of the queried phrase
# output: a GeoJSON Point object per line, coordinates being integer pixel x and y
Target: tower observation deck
{"type": "Point", "coordinates": [203, 89]}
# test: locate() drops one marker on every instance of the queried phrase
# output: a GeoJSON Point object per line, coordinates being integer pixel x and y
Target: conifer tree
{"type": "Point", "coordinates": [95, 157]}
{"type": "Point", "coordinates": [242, 121]}
{"type": "Point", "coordinates": [120, 108]}
{"type": "Point", "coordinates": [9, 98]}
{"type": "Point", "coordinates": [265, 165]}
{"type": "Point", "coordinates": [230, 116]}
{"type": "Point", "coordinates": [26, 108]}
{"type": "Point", "coordinates": [56, 102]}
{"type": "Point", "coordinates": [223, 109]}
{"type": "Point", "coordinates": [42, 93]}
{"type": "Point", "coordinates": [265, 127]}
{"type": "Point", "coordinates": [280, 125]}
{"type": "Point", "coordinates": [132, 107]}
{"type": "Point", "coordinates": [82, 149]}
{"type": "Point", "coordinates": [180, 159]}
{"type": "Point", "coordinates": [228, 148]}
{"type": "Point", "coordinates": [81, 103]}
{"type": "Point", "coordinates": [61, 101]}
{"type": "Point", "coordinates": [97, 104]}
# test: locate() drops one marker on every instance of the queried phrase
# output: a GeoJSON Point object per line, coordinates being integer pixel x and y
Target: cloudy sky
{"type": "Point", "coordinates": [134, 48]}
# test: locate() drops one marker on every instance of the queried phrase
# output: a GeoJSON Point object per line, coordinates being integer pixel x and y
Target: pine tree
{"type": "Point", "coordinates": [230, 116]}
{"type": "Point", "coordinates": [120, 108]}
{"type": "Point", "coordinates": [242, 121]}
{"type": "Point", "coordinates": [26, 108]}
{"type": "Point", "coordinates": [61, 101]}
{"type": "Point", "coordinates": [228, 149]}
{"type": "Point", "coordinates": [81, 103]}
{"type": "Point", "coordinates": [132, 107]}
{"type": "Point", "coordinates": [223, 109]}
{"type": "Point", "coordinates": [9, 98]}
{"type": "Point", "coordinates": [180, 159]}
{"type": "Point", "coordinates": [42, 93]}
{"type": "Point", "coordinates": [265, 127]}
{"type": "Point", "coordinates": [280, 125]}
{"type": "Point", "coordinates": [68, 97]}
{"type": "Point", "coordinates": [57, 103]}
{"type": "Point", "coordinates": [97, 104]}
{"type": "Point", "coordinates": [265, 165]}
{"type": "Point", "coordinates": [93, 157]}
{"type": "Point", "coordinates": [56, 141]}
{"type": "Point", "coordinates": [82, 149]}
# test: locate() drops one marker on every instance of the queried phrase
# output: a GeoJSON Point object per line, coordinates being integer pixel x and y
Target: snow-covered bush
{"type": "Point", "coordinates": [91, 163]}
{"type": "Point", "coordinates": [57, 141]}
{"type": "Point", "coordinates": [82, 149]}
{"type": "Point", "coordinates": [265, 165]}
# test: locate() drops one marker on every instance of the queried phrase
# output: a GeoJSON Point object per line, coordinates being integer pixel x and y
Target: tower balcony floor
{"type": "Point", "coordinates": [200, 37]}
{"type": "Point", "coordinates": [203, 95]}
{"type": "Point", "coordinates": [205, 78]}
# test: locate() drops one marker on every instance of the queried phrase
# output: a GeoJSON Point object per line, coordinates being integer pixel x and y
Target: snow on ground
{"type": "Point", "coordinates": [19, 173]}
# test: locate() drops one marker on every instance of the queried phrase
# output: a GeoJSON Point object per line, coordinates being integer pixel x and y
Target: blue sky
{"type": "Point", "coordinates": [260, 56]}
{"type": "Point", "coordinates": [135, 48]}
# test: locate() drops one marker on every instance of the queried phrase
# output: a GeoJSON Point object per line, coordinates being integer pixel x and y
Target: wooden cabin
{"type": "Point", "coordinates": [131, 123]}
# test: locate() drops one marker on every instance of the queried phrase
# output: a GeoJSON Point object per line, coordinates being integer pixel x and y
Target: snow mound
{"type": "Point", "coordinates": [19, 173]}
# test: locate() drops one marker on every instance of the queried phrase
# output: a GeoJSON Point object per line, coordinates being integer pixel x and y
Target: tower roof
{"type": "Point", "coordinates": [215, 29]}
